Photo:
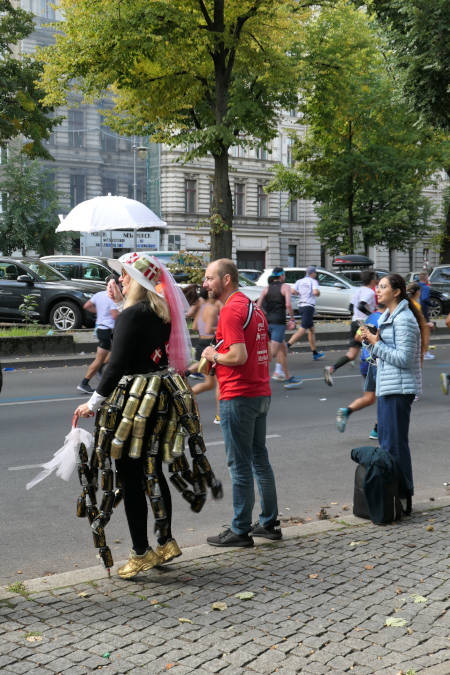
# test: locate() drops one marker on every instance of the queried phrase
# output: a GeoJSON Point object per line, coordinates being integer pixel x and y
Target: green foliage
{"type": "Point", "coordinates": [30, 207]}
{"type": "Point", "coordinates": [18, 587]}
{"type": "Point", "coordinates": [200, 74]}
{"type": "Point", "coordinates": [364, 160]}
{"type": "Point", "coordinates": [28, 308]}
{"type": "Point", "coordinates": [419, 33]}
{"type": "Point", "coordinates": [191, 264]}
{"type": "Point", "coordinates": [21, 109]}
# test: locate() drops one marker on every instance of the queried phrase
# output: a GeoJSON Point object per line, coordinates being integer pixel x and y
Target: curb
{"type": "Point", "coordinates": [84, 358]}
{"type": "Point", "coordinates": [73, 578]}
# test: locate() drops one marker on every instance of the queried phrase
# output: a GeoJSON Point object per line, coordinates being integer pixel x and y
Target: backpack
{"type": "Point", "coordinates": [389, 510]}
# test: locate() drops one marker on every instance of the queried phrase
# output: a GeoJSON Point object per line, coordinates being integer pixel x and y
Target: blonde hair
{"type": "Point", "coordinates": [137, 293]}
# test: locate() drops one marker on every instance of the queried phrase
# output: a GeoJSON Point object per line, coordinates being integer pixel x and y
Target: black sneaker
{"type": "Point", "coordinates": [229, 538]}
{"type": "Point", "coordinates": [273, 532]}
{"type": "Point", "coordinates": [85, 388]}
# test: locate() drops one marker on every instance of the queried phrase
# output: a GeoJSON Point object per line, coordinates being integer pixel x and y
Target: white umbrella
{"type": "Point", "coordinates": [109, 213]}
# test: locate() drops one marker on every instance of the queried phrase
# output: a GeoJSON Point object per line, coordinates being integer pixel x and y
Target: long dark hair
{"type": "Point", "coordinates": [398, 283]}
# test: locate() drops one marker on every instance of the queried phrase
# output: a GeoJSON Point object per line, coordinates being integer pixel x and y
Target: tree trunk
{"type": "Point", "coordinates": [350, 196]}
{"type": "Point", "coordinates": [445, 249]}
{"type": "Point", "coordinates": [222, 210]}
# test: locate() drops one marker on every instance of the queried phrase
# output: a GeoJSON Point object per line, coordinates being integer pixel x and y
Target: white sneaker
{"type": "Point", "coordinates": [427, 356]}
{"type": "Point", "coordinates": [279, 377]}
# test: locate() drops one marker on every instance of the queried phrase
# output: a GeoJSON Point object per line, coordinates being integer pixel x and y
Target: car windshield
{"type": "Point", "coordinates": [353, 281]}
{"type": "Point", "coordinates": [43, 271]}
{"type": "Point", "coordinates": [245, 282]}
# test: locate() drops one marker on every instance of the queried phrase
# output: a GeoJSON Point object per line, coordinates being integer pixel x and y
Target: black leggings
{"type": "Point", "coordinates": [131, 474]}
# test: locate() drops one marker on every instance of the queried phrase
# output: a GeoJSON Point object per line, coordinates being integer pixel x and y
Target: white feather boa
{"type": "Point", "coordinates": [65, 459]}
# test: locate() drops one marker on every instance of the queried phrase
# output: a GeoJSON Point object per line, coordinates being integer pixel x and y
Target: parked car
{"type": "Point", "coordinates": [59, 302]}
{"type": "Point", "coordinates": [354, 276]}
{"type": "Point", "coordinates": [335, 292]}
{"type": "Point", "coordinates": [251, 290]}
{"type": "Point", "coordinates": [76, 267]}
{"type": "Point", "coordinates": [439, 280]}
{"type": "Point", "coordinates": [251, 275]}
{"type": "Point", "coordinates": [95, 268]}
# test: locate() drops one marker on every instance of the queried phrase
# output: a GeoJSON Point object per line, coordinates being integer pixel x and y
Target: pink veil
{"type": "Point", "coordinates": [180, 347]}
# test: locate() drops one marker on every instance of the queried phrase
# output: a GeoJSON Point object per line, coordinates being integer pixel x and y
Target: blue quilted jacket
{"type": "Point", "coordinates": [398, 353]}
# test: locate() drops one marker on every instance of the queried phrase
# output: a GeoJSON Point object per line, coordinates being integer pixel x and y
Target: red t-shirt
{"type": "Point", "coordinates": [252, 378]}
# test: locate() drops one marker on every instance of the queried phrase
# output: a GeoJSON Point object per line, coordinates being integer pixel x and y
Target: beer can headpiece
{"type": "Point", "coordinates": [150, 272]}
{"type": "Point", "coordinates": [145, 269]}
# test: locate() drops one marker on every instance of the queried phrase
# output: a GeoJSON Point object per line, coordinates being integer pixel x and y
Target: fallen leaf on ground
{"type": "Point", "coordinates": [333, 503]}
{"type": "Point", "coordinates": [245, 595]}
{"type": "Point", "coordinates": [398, 591]}
{"type": "Point", "coordinates": [154, 602]}
{"type": "Point", "coordinates": [170, 665]}
{"type": "Point", "coordinates": [345, 507]}
{"type": "Point", "coordinates": [34, 638]}
{"type": "Point", "coordinates": [430, 528]}
{"type": "Point", "coordinates": [418, 598]}
{"type": "Point", "coordinates": [395, 621]}
{"type": "Point", "coordinates": [313, 576]}
{"type": "Point", "coordinates": [220, 606]}
{"type": "Point", "coordinates": [368, 567]}
{"type": "Point", "coordinates": [358, 543]}
{"type": "Point", "coordinates": [274, 647]}
{"type": "Point", "coordinates": [83, 594]}
{"type": "Point", "coordinates": [19, 572]}
{"type": "Point", "coordinates": [183, 620]}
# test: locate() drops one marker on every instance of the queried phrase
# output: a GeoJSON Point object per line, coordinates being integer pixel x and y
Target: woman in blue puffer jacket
{"type": "Point", "coordinates": [397, 347]}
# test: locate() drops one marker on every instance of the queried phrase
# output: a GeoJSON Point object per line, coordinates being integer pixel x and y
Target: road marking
{"type": "Point", "coordinates": [38, 466]}
{"type": "Point", "coordinates": [208, 445]}
{"type": "Point", "coordinates": [39, 400]}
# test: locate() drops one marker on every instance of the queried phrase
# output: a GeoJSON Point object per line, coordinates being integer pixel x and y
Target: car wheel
{"type": "Point", "coordinates": [435, 308]}
{"type": "Point", "coordinates": [65, 315]}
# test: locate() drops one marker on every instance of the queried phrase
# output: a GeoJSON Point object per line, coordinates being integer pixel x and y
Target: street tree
{"type": "Point", "coordinates": [201, 74]}
{"type": "Point", "coordinates": [419, 34]}
{"type": "Point", "coordinates": [29, 206]}
{"type": "Point", "coordinates": [22, 112]}
{"type": "Point", "coordinates": [363, 159]}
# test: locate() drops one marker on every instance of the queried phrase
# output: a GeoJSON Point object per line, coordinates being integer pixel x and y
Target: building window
{"type": "Point", "coordinates": [293, 210]}
{"type": "Point", "coordinates": [239, 199]}
{"type": "Point", "coordinates": [77, 189]}
{"type": "Point", "coordinates": [190, 195]}
{"type": "Point", "coordinates": [290, 143]}
{"type": "Point", "coordinates": [174, 241]}
{"type": "Point", "coordinates": [292, 255]}
{"type": "Point", "coordinates": [108, 139]}
{"type": "Point", "coordinates": [41, 8]}
{"type": "Point", "coordinates": [211, 195]}
{"type": "Point", "coordinates": [76, 128]}
{"type": "Point", "coordinates": [262, 202]}
{"type": "Point", "coordinates": [261, 152]}
{"type": "Point", "coordinates": [109, 185]}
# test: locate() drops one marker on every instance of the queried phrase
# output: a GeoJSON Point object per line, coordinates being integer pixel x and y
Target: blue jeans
{"type": "Point", "coordinates": [243, 422]}
{"type": "Point", "coordinates": [393, 429]}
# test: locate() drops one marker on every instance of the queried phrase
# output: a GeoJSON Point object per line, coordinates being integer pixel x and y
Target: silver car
{"type": "Point", "coordinates": [335, 292]}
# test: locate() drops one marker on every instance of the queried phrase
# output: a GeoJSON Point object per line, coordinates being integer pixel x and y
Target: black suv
{"type": "Point", "coordinates": [59, 302]}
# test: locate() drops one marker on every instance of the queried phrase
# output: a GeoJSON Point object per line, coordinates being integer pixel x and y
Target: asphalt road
{"type": "Point", "coordinates": [40, 535]}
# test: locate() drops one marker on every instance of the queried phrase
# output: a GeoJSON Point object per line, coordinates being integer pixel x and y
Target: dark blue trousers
{"type": "Point", "coordinates": [393, 428]}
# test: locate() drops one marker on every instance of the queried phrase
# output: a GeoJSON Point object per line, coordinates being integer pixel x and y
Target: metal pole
{"type": "Point", "coordinates": [134, 189]}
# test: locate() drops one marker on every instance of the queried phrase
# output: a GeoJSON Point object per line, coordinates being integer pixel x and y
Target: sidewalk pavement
{"type": "Point", "coordinates": [318, 602]}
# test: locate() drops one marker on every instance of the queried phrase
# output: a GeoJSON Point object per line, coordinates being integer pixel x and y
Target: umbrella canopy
{"type": "Point", "coordinates": [109, 213]}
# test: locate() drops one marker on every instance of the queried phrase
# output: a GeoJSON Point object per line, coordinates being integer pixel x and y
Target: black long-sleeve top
{"type": "Point", "coordinates": [139, 346]}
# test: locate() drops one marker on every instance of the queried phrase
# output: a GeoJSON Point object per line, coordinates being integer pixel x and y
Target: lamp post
{"type": "Point", "coordinates": [141, 152]}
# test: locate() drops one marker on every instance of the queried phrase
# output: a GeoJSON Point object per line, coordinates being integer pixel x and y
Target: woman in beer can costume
{"type": "Point", "coordinates": [144, 412]}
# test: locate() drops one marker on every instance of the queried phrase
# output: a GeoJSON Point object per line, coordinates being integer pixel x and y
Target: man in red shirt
{"type": "Point", "coordinates": [241, 360]}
